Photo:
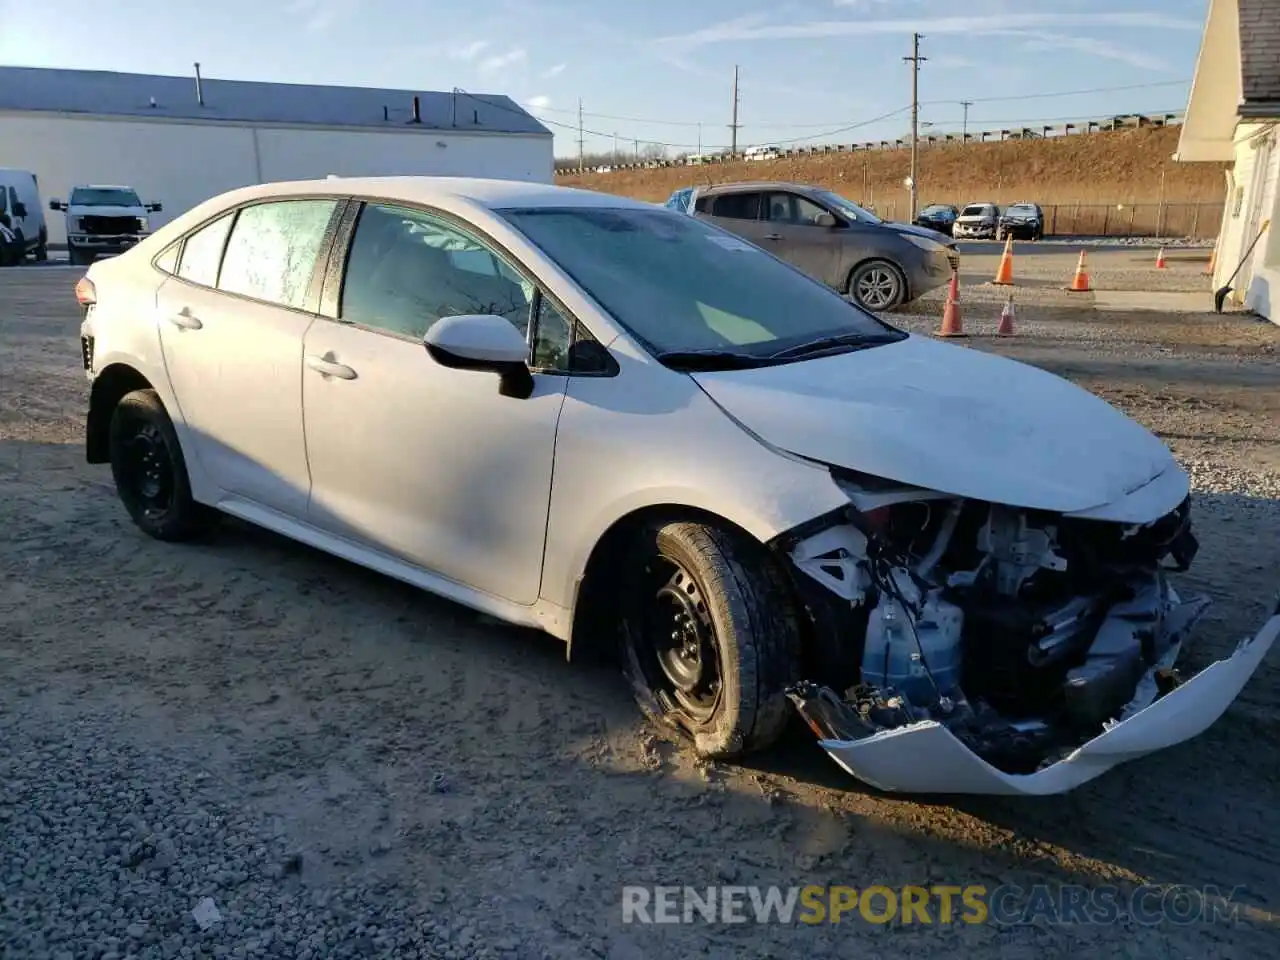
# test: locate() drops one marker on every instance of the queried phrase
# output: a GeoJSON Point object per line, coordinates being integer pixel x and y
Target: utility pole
{"type": "Point", "coordinates": [581, 151]}
{"type": "Point", "coordinates": [964, 136]}
{"type": "Point", "coordinates": [615, 146]}
{"type": "Point", "coordinates": [733, 127]}
{"type": "Point", "coordinates": [915, 60]}
{"type": "Point", "coordinates": [699, 138]}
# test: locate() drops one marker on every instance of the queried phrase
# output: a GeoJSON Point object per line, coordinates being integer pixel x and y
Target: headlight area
{"type": "Point", "coordinates": [1024, 633]}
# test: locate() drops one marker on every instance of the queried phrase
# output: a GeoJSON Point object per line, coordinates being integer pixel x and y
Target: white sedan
{"type": "Point", "coordinates": [639, 433]}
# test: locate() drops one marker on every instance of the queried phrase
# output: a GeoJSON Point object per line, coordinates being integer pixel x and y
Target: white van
{"type": "Point", "coordinates": [22, 214]}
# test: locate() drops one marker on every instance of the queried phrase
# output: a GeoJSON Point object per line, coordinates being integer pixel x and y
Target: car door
{"type": "Point", "coordinates": [738, 212]}
{"type": "Point", "coordinates": [429, 464]}
{"type": "Point", "coordinates": [232, 321]}
{"type": "Point", "coordinates": [793, 234]}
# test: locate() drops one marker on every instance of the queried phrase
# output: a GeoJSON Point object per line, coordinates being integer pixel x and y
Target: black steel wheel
{"type": "Point", "coordinates": [149, 470]}
{"type": "Point", "coordinates": [710, 637]}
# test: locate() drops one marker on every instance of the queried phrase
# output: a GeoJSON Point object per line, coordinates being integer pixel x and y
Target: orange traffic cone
{"type": "Point", "coordinates": [1006, 320]}
{"type": "Point", "coordinates": [1160, 259]}
{"type": "Point", "coordinates": [1080, 282]}
{"type": "Point", "coordinates": [952, 325]}
{"type": "Point", "coordinates": [1004, 274]}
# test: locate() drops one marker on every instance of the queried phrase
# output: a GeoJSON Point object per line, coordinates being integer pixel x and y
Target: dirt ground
{"type": "Point", "coordinates": [461, 770]}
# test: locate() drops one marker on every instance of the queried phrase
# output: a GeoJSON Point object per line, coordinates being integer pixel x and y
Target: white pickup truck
{"type": "Point", "coordinates": [103, 220]}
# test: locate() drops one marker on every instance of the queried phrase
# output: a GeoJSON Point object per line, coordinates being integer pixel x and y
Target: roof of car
{"type": "Point", "coordinates": [494, 194]}
{"type": "Point", "coordinates": [756, 185]}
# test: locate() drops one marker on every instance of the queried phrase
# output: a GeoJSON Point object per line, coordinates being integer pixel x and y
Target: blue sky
{"type": "Point", "coordinates": [809, 68]}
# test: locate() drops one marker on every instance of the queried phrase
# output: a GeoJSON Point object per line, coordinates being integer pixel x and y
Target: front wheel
{"type": "Point", "coordinates": [877, 285]}
{"type": "Point", "coordinates": [710, 637]}
{"type": "Point", "coordinates": [150, 471]}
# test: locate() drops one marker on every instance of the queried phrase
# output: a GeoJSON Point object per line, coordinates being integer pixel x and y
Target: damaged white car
{"type": "Point", "coordinates": [633, 430]}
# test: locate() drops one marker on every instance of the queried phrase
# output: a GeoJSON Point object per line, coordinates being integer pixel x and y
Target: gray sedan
{"type": "Point", "coordinates": [880, 265]}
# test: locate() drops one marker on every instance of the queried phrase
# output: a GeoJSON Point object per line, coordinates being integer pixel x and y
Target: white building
{"type": "Point", "coordinates": [1232, 116]}
{"type": "Point", "coordinates": [181, 140]}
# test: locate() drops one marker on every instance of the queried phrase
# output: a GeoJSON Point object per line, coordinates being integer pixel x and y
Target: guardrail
{"type": "Point", "coordinates": [1122, 122]}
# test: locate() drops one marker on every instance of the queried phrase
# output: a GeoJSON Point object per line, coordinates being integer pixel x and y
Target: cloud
{"type": "Point", "coordinates": [1095, 47]}
{"type": "Point", "coordinates": [319, 14]}
{"type": "Point", "coordinates": [554, 71]}
{"type": "Point", "coordinates": [755, 27]}
{"type": "Point", "coordinates": [502, 60]}
{"type": "Point", "coordinates": [540, 102]}
{"type": "Point", "coordinates": [470, 51]}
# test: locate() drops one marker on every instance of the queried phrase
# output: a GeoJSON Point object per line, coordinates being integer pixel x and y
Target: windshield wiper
{"type": "Point", "coordinates": [708, 359]}
{"type": "Point", "coordinates": [853, 340]}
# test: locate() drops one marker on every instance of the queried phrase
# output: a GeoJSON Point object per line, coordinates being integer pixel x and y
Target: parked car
{"type": "Point", "coordinates": [977, 221]}
{"type": "Point", "coordinates": [937, 216]}
{"type": "Point", "coordinates": [22, 215]}
{"type": "Point", "coordinates": [1022, 221]}
{"type": "Point", "coordinates": [103, 220]}
{"type": "Point", "coordinates": [879, 264]}
{"type": "Point", "coordinates": [622, 424]}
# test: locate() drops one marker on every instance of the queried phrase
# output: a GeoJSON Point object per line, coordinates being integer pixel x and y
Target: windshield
{"type": "Point", "coordinates": [935, 208]}
{"type": "Point", "coordinates": [847, 207]}
{"type": "Point", "coordinates": [104, 197]}
{"type": "Point", "coordinates": [1022, 210]}
{"type": "Point", "coordinates": [680, 284]}
{"type": "Point", "coordinates": [976, 210]}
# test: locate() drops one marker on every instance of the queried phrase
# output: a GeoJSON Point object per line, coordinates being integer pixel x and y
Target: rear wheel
{"type": "Point", "coordinates": [877, 285]}
{"type": "Point", "coordinates": [150, 471]}
{"type": "Point", "coordinates": [710, 637]}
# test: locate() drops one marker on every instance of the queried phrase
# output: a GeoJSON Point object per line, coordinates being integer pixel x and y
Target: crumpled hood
{"type": "Point", "coordinates": [947, 418]}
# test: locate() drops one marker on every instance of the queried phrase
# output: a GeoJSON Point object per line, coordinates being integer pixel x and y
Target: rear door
{"type": "Point", "coordinates": [232, 322]}
{"type": "Point", "coordinates": [737, 212]}
{"type": "Point", "coordinates": [792, 234]}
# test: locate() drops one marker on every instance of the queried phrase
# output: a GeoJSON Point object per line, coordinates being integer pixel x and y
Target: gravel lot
{"type": "Point", "coordinates": [348, 767]}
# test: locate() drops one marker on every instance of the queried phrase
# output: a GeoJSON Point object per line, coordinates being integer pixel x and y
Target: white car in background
{"type": "Point", "coordinates": [623, 425]}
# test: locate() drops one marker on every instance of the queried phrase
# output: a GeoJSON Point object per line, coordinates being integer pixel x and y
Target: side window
{"type": "Point", "coordinates": [794, 209]}
{"type": "Point", "coordinates": [202, 252]}
{"type": "Point", "coordinates": [273, 249]}
{"type": "Point", "coordinates": [553, 338]}
{"type": "Point", "coordinates": [168, 260]}
{"type": "Point", "coordinates": [408, 269]}
{"type": "Point", "coordinates": [737, 206]}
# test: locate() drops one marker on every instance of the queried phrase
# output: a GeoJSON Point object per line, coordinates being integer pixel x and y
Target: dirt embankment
{"type": "Point", "coordinates": [1125, 166]}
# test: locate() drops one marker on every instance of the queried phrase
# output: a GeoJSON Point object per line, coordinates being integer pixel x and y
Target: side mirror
{"type": "Point", "coordinates": [154, 207]}
{"type": "Point", "coordinates": [55, 204]}
{"type": "Point", "coordinates": [485, 343]}
{"type": "Point", "coordinates": [20, 209]}
{"type": "Point", "coordinates": [824, 220]}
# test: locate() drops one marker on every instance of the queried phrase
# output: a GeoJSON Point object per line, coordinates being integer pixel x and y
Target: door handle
{"type": "Point", "coordinates": [773, 236]}
{"type": "Point", "coordinates": [329, 368]}
{"type": "Point", "coordinates": [185, 320]}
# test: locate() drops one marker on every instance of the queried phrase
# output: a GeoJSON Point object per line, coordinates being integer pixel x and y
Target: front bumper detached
{"type": "Point", "coordinates": [926, 757]}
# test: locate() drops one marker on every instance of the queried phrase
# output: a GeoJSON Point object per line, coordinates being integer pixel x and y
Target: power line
{"type": "Point", "coordinates": [781, 125]}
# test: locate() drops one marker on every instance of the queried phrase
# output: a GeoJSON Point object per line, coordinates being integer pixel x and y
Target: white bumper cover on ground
{"type": "Point", "coordinates": [926, 758]}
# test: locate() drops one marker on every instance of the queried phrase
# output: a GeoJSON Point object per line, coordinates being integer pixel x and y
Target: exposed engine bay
{"type": "Point", "coordinates": [1025, 634]}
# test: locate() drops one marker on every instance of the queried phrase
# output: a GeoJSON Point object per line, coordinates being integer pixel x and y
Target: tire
{"type": "Point", "coordinates": [42, 251]}
{"type": "Point", "coordinates": [877, 285]}
{"type": "Point", "coordinates": [720, 598]}
{"type": "Point", "coordinates": [150, 472]}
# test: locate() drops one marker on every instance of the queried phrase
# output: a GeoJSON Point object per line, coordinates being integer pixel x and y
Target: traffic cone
{"type": "Point", "coordinates": [952, 325]}
{"type": "Point", "coordinates": [1004, 274]}
{"type": "Point", "coordinates": [1160, 259]}
{"type": "Point", "coordinates": [1006, 320]}
{"type": "Point", "coordinates": [1080, 282]}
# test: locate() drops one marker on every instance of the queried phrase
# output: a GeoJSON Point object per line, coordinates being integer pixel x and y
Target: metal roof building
{"type": "Point", "coordinates": [181, 140]}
